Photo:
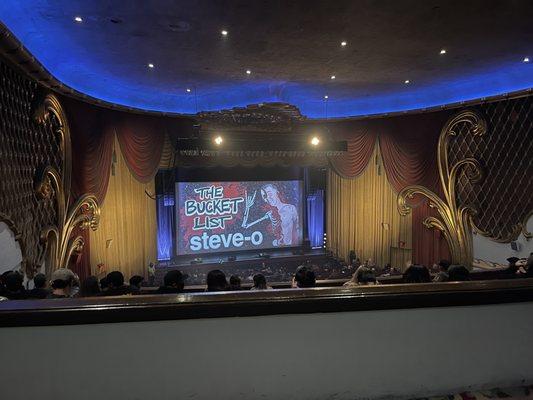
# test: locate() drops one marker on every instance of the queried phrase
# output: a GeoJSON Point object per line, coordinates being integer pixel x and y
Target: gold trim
{"type": "Point", "coordinates": [455, 221]}
{"type": "Point", "coordinates": [83, 213]}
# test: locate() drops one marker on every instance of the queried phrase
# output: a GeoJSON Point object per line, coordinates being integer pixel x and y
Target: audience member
{"type": "Point", "coordinates": [135, 283]}
{"type": "Point", "coordinates": [39, 290]}
{"type": "Point", "coordinates": [260, 283]}
{"type": "Point", "coordinates": [511, 271]}
{"type": "Point", "coordinates": [458, 273]}
{"type": "Point", "coordinates": [234, 282]}
{"type": "Point", "coordinates": [174, 282]}
{"type": "Point", "coordinates": [103, 284]}
{"type": "Point", "coordinates": [529, 266]}
{"type": "Point", "coordinates": [416, 274]}
{"type": "Point", "coordinates": [362, 276]}
{"type": "Point", "coordinates": [90, 287]}
{"type": "Point", "coordinates": [115, 283]}
{"type": "Point", "coordinates": [304, 278]}
{"type": "Point", "coordinates": [14, 289]}
{"type": "Point", "coordinates": [216, 281]}
{"type": "Point", "coordinates": [62, 280]}
{"type": "Point", "coordinates": [442, 275]}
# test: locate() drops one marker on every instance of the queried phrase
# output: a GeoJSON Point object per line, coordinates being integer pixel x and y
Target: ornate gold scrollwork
{"type": "Point", "coordinates": [83, 213]}
{"type": "Point", "coordinates": [455, 220]}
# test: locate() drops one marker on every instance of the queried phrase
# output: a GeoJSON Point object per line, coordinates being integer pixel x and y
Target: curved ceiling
{"type": "Point", "coordinates": [292, 48]}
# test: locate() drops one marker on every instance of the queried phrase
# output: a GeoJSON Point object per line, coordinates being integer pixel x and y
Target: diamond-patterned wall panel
{"type": "Point", "coordinates": [25, 146]}
{"type": "Point", "coordinates": [503, 197]}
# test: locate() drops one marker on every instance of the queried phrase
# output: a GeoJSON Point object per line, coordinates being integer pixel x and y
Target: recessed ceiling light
{"type": "Point", "coordinates": [332, 76]}
{"type": "Point", "coordinates": [248, 72]}
{"type": "Point", "coordinates": [343, 43]}
{"type": "Point", "coordinates": [224, 32]}
{"type": "Point", "coordinates": [78, 19]}
{"type": "Point", "coordinates": [150, 65]}
{"type": "Point", "coordinates": [326, 97]}
{"type": "Point", "coordinates": [218, 140]}
{"type": "Point", "coordinates": [188, 90]}
{"type": "Point", "coordinates": [315, 141]}
{"type": "Point", "coordinates": [526, 59]}
{"type": "Point", "coordinates": [407, 81]}
{"type": "Point", "coordinates": [443, 51]}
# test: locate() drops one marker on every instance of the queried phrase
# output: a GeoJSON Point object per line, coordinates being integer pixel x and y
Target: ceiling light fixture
{"type": "Point", "coordinates": [248, 72]}
{"type": "Point", "coordinates": [443, 51]}
{"type": "Point", "coordinates": [526, 59]}
{"type": "Point", "coordinates": [78, 19]}
{"type": "Point", "coordinates": [407, 81]}
{"type": "Point", "coordinates": [188, 90]}
{"type": "Point", "coordinates": [218, 140]}
{"type": "Point", "coordinates": [150, 65]}
{"type": "Point", "coordinates": [332, 77]}
{"type": "Point", "coordinates": [343, 43]}
{"type": "Point", "coordinates": [315, 141]}
{"type": "Point", "coordinates": [326, 97]}
{"type": "Point", "coordinates": [224, 32]}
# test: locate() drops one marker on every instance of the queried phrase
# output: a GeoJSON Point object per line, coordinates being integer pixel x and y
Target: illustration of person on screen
{"type": "Point", "coordinates": [283, 216]}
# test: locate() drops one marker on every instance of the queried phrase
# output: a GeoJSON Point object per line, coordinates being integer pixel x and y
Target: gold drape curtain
{"type": "Point", "coordinates": [126, 238]}
{"type": "Point", "coordinates": [362, 215]}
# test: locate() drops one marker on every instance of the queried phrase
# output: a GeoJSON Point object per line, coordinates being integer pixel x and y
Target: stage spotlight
{"type": "Point", "coordinates": [315, 141]}
{"type": "Point", "coordinates": [218, 140]}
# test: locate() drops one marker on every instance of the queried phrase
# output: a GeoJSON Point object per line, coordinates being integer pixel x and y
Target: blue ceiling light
{"type": "Point", "coordinates": [80, 56]}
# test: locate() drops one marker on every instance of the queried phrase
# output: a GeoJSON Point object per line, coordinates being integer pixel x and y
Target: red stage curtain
{"type": "Point", "coordinates": [361, 138]}
{"type": "Point", "coordinates": [141, 140]}
{"type": "Point", "coordinates": [409, 149]}
{"type": "Point", "coordinates": [92, 148]}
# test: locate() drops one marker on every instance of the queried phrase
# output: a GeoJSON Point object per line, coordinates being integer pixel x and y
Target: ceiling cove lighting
{"type": "Point", "coordinates": [218, 140]}
{"type": "Point", "coordinates": [315, 141]}
{"type": "Point", "coordinates": [78, 18]}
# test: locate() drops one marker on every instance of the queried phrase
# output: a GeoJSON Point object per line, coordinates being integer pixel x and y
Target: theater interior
{"type": "Point", "coordinates": [266, 199]}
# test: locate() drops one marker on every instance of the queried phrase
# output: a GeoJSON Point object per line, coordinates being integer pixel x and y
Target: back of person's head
{"type": "Point", "coordinates": [365, 276]}
{"type": "Point", "coordinates": [416, 274]}
{"type": "Point", "coordinates": [136, 281]}
{"type": "Point", "coordinates": [103, 283]}
{"type": "Point", "coordinates": [39, 281]}
{"type": "Point", "coordinates": [62, 278]}
{"type": "Point", "coordinates": [444, 265]}
{"type": "Point", "coordinates": [174, 279]}
{"type": "Point", "coordinates": [234, 282]}
{"type": "Point", "coordinates": [458, 273]}
{"type": "Point", "coordinates": [115, 279]}
{"type": "Point", "coordinates": [216, 281]}
{"type": "Point", "coordinates": [13, 281]}
{"type": "Point", "coordinates": [512, 268]}
{"type": "Point", "coordinates": [304, 277]}
{"type": "Point", "coordinates": [90, 287]}
{"type": "Point", "coordinates": [260, 281]}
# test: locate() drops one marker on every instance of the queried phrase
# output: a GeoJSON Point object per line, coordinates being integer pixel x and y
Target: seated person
{"type": "Point", "coordinates": [115, 285]}
{"type": "Point", "coordinates": [174, 282]}
{"type": "Point", "coordinates": [103, 284]}
{"type": "Point", "coordinates": [303, 278]}
{"type": "Point", "coordinates": [62, 281]}
{"type": "Point", "coordinates": [362, 276]}
{"type": "Point", "coordinates": [216, 281]}
{"type": "Point", "coordinates": [416, 274]}
{"type": "Point", "coordinates": [458, 273]}
{"type": "Point", "coordinates": [135, 283]}
{"type": "Point", "coordinates": [234, 282]}
{"type": "Point", "coordinates": [90, 287]}
{"type": "Point", "coordinates": [511, 271]}
{"type": "Point", "coordinates": [39, 290]}
{"type": "Point", "coordinates": [529, 267]}
{"type": "Point", "coordinates": [14, 290]}
{"type": "Point", "coordinates": [260, 283]}
{"type": "Point", "coordinates": [442, 275]}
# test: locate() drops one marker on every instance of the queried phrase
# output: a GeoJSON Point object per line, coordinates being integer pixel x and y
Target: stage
{"type": "Point", "coordinates": [277, 265]}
